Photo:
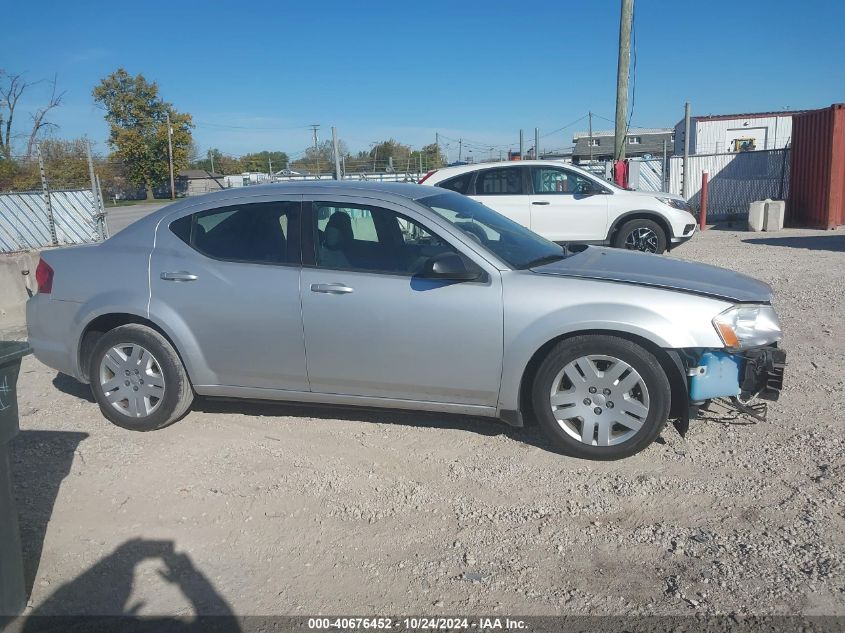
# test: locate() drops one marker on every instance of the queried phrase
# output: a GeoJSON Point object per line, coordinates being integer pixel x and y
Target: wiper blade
{"type": "Point", "coordinates": [548, 259]}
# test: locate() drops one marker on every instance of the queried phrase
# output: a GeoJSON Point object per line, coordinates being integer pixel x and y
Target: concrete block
{"type": "Point", "coordinates": [775, 210]}
{"type": "Point", "coordinates": [756, 215]}
{"type": "Point", "coordinates": [14, 285]}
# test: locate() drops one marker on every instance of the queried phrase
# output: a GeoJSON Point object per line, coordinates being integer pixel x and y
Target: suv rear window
{"type": "Point", "coordinates": [457, 183]}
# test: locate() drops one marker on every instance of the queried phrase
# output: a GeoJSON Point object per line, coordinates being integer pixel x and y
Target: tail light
{"type": "Point", "coordinates": [424, 178]}
{"type": "Point", "coordinates": [44, 277]}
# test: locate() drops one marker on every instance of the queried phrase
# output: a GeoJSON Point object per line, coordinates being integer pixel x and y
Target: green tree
{"type": "Point", "coordinates": [137, 118]}
{"type": "Point", "coordinates": [432, 157]}
{"type": "Point", "coordinates": [219, 163]}
{"type": "Point", "coordinates": [320, 159]}
{"type": "Point", "coordinates": [261, 161]}
{"type": "Point", "coordinates": [65, 165]}
{"type": "Point", "coordinates": [382, 153]}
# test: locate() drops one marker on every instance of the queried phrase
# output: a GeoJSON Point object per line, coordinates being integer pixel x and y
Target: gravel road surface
{"type": "Point", "coordinates": [271, 509]}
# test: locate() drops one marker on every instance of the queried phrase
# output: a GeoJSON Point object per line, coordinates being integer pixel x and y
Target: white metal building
{"type": "Point", "coordinates": [728, 133]}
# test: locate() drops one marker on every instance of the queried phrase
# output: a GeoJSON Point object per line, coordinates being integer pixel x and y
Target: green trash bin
{"type": "Point", "coordinates": [12, 590]}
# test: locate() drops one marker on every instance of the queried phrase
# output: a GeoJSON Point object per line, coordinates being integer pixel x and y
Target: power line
{"type": "Point", "coordinates": [245, 127]}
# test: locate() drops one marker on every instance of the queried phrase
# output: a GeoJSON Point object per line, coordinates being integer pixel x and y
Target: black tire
{"type": "Point", "coordinates": [633, 355]}
{"type": "Point", "coordinates": [178, 394]}
{"type": "Point", "coordinates": [620, 240]}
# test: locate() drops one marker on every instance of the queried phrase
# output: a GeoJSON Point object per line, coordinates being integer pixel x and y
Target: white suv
{"type": "Point", "coordinates": [566, 204]}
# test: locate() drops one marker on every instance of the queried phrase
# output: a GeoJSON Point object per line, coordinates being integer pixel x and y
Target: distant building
{"type": "Point", "coordinates": [728, 133]}
{"type": "Point", "coordinates": [195, 182]}
{"type": "Point", "coordinates": [639, 142]}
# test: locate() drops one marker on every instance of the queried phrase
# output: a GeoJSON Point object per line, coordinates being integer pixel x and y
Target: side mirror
{"type": "Point", "coordinates": [585, 189]}
{"type": "Point", "coordinates": [448, 267]}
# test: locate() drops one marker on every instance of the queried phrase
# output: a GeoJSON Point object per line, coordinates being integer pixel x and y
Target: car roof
{"type": "Point", "coordinates": [448, 172]}
{"type": "Point", "coordinates": [387, 191]}
{"type": "Point", "coordinates": [412, 191]}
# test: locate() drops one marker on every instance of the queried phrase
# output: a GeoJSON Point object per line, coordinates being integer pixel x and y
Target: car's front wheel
{"type": "Point", "coordinates": [600, 397]}
{"type": "Point", "coordinates": [138, 379]}
{"type": "Point", "coordinates": [642, 235]}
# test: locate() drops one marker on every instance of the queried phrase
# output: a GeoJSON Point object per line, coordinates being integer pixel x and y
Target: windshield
{"type": "Point", "coordinates": [509, 241]}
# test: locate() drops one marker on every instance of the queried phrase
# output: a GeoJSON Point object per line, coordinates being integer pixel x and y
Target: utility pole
{"type": "Point", "coordinates": [338, 174]}
{"type": "Point", "coordinates": [590, 115]}
{"type": "Point", "coordinates": [460, 148]}
{"type": "Point", "coordinates": [536, 143]}
{"type": "Point", "coordinates": [170, 157]}
{"type": "Point", "coordinates": [521, 146]}
{"type": "Point", "coordinates": [685, 181]}
{"type": "Point", "coordinates": [622, 71]}
{"type": "Point", "coordinates": [663, 172]}
{"type": "Point", "coordinates": [314, 128]}
{"type": "Point", "coordinates": [270, 165]}
{"type": "Point", "coordinates": [211, 158]}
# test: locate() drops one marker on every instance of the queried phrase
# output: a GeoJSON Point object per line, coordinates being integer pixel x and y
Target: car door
{"type": "Point", "coordinates": [226, 280]}
{"type": "Point", "coordinates": [373, 328]}
{"type": "Point", "coordinates": [504, 189]}
{"type": "Point", "coordinates": [566, 206]}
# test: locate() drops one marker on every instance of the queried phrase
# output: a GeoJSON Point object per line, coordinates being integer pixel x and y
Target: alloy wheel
{"type": "Point", "coordinates": [599, 400]}
{"type": "Point", "coordinates": [131, 380]}
{"type": "Point", "coordinates": [642, 239]}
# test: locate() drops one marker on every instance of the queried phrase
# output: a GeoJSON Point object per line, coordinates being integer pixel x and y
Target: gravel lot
{"type": "Point", "coordinates": [270, 509]}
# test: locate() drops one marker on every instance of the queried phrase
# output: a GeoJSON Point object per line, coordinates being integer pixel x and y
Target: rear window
{"type": "Point", "coordinates": [458, 183]}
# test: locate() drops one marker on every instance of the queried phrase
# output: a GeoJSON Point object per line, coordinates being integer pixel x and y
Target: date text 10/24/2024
{"type": "Point", "coordinates": [415, 623]}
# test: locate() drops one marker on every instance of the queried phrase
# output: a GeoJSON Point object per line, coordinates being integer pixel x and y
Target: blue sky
{"type": "Point", "coordinates": [255, 75]}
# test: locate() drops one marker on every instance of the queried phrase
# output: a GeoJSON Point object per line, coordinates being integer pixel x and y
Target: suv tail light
{"type": "Point", "coordinates": [424, 178]}
{"type": "Point", "coordinates": [44, 277]}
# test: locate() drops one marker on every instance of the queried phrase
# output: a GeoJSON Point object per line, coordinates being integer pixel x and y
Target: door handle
{"type": "Point", "coordinates": [180, 275]}
{"type": "Point", "coordinates": [332, 289]}
{"type": "Point", "coordinates": [541, 202]}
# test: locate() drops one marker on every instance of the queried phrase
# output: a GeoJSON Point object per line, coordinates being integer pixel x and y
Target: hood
{"type": "Point", "coordinates": [654, 194]}
{"type": "Point", "coordinates": [609, 264]}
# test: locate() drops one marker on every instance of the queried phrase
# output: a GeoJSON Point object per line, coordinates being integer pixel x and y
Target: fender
{"type": "Point", "coordinates": [668, 325]}
{"type": "Point", "coordinates": [169, 322]}
{"type": "Point", "coordinates": [116, 302]}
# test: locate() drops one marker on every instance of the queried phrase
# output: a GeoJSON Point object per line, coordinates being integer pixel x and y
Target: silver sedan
{"type": "Point", "coordinates": [399, 296]}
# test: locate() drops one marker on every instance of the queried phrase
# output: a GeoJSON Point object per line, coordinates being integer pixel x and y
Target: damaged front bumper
{"type": "Point", "coordinates": [741, 381]}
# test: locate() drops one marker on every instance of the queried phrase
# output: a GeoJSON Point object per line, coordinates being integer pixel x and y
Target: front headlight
{"type": "Point", "coordinates": [744, 326]}
{"type": "Point", "coordinates": [681, 205]}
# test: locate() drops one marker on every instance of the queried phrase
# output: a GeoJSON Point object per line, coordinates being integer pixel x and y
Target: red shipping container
{"type": "Point", "coordinates": [817, 168]}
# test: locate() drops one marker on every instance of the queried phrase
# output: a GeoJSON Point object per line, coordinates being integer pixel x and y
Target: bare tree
{"type": "Point", "coordinates": [39, 117]}
{"type": "Point", "coordinates": [12, 87]}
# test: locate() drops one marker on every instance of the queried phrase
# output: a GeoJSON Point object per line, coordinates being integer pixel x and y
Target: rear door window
{"type": "Point", "coordinates": [262, 233]}
{"type": "Point", "coordinates": [504, 181]}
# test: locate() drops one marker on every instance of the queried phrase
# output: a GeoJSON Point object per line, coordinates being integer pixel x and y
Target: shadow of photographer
{"type": "Point", "coordinates": [91, 600]}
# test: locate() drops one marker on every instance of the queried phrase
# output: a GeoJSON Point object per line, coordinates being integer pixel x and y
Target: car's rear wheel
{"type": "Point", "coordinates": [600, 397]}
{"type": "Point", "coordinates": [138, 379]}
{"type": "Point", "coordinates": [642, 235]}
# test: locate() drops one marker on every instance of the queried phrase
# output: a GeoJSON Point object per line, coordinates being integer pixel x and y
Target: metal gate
{"type": "Point", "coordinates": [29, 220]}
